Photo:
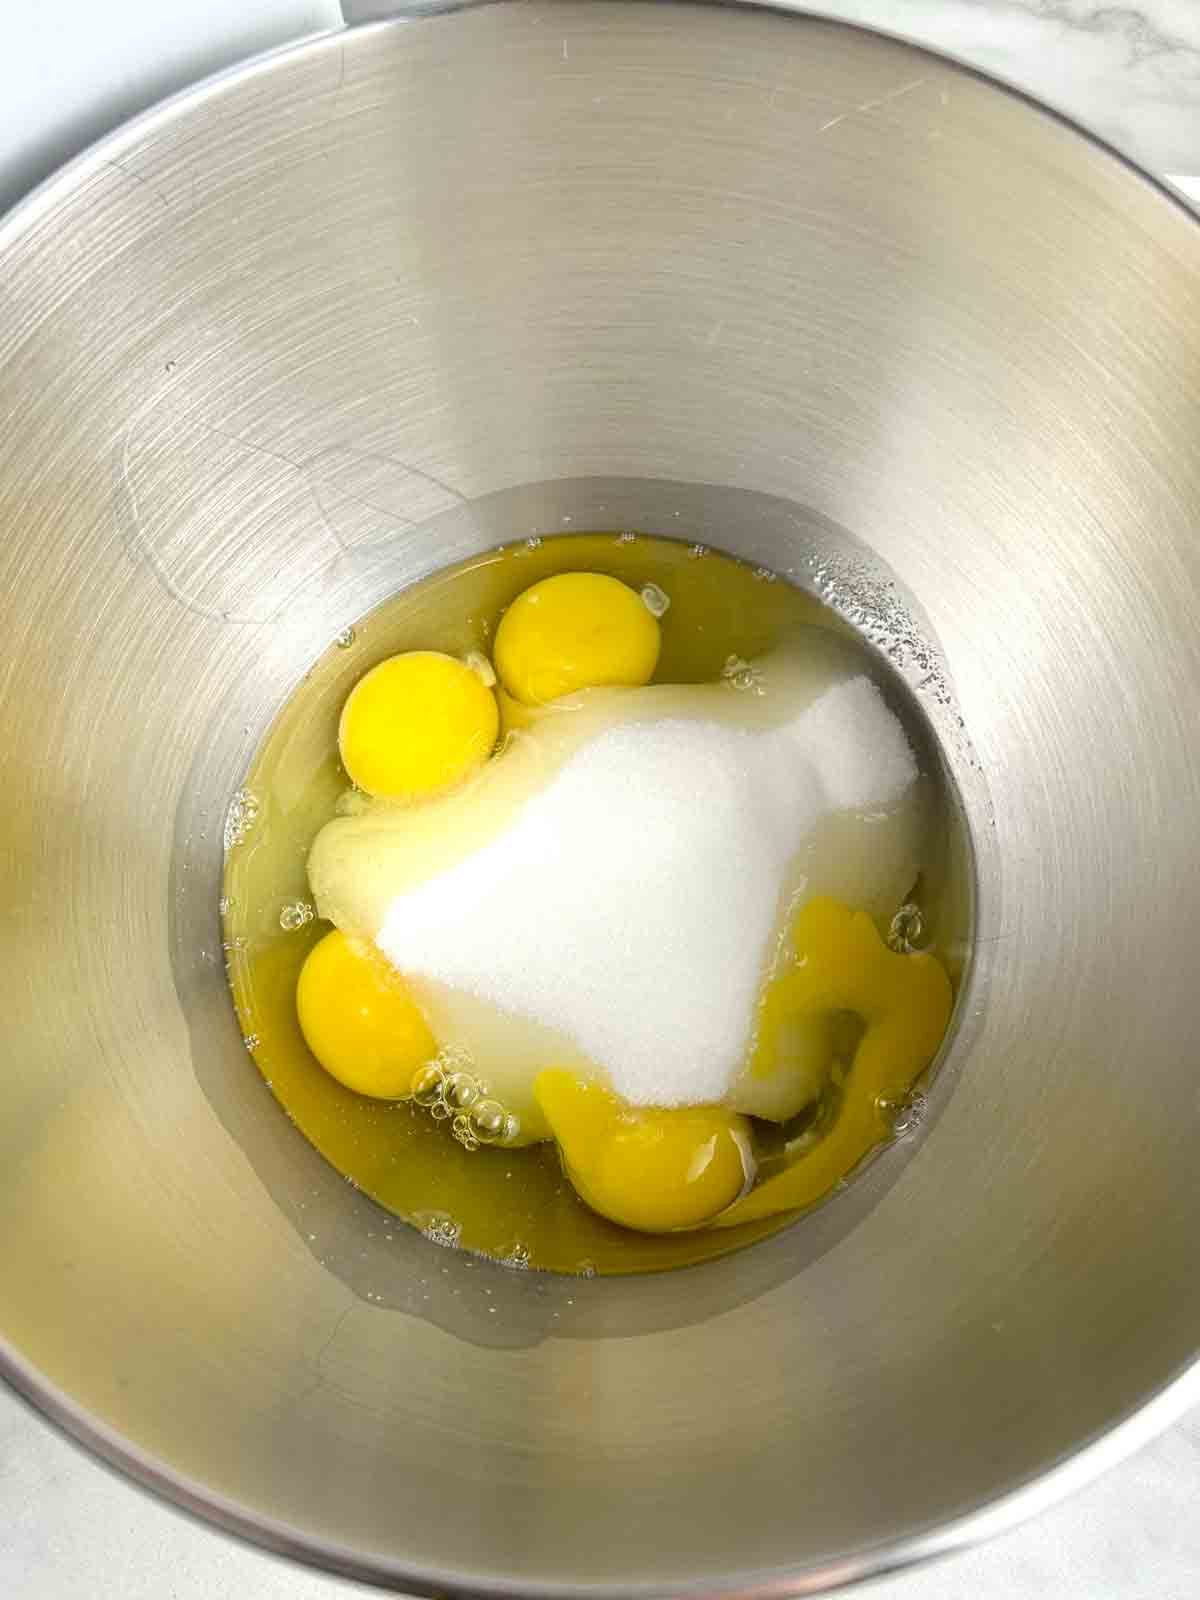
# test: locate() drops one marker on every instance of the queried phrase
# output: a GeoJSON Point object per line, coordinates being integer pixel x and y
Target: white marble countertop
{"type": "Point", "coordinates": [69, 70]}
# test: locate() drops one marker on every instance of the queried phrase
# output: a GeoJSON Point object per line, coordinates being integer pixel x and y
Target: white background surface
{"type": "Point", "coordinates": [70, 70]}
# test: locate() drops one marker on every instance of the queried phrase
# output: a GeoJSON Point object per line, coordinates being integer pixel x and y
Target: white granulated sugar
{"type": "Point", "coordinates": [631, 903]}
{"type": "Point", "coordinates": [864, 757]}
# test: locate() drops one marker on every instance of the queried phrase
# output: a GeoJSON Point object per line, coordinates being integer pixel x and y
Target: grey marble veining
{"type": "Point", "coordinates": [1131, 72]}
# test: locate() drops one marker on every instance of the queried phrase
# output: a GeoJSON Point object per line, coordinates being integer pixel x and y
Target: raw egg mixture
{"type": "Point", "coordinates": [581, 906]}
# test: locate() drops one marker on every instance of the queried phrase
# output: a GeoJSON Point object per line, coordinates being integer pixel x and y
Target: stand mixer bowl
{"type": "Point", "coordinates": [372, 304]}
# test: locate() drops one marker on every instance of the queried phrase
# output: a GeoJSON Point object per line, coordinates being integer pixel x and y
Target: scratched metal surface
{"type": "Point", "coordinates": [279, 349]}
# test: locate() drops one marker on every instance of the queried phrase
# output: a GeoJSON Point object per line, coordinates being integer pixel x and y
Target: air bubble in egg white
{"type": "Point", "coordinates": [295, 914]}
{"type": "Point", "coordinates": [240, 818]}
{"type": "Point", "coordinates": [904, 934]}
{"type": "Point", "coordinates": [487, 1121]}
{"type": "Point", "coordinates": [428, 1085]}
{"type": "Point", "coordinates": [461, 1091]}
{"type": "Point", "coordinates": [439, 1228]}
{"type": "Point", "coordinates": [461, 1129]}
{"type": "Point", "coordinates": [739, 674]}
{"type": "Point", "coordinates": [905, 1116]}
{"type": "Point", "coordinates": [656, 601]}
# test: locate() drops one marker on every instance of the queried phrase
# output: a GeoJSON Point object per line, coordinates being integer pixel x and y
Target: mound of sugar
{"type": "Point", "coordinates": [631, 903]}
{"type": "Point", "coordinates": [862, 754]}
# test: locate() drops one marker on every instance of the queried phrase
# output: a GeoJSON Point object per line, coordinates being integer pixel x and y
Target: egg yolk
{"type": "Point", "coordinates": [417, 724]}
{"type": "Point", "coordinates": [359, 1020]}
{"type": "Point", "coordinates": [903, 1001]}
{"type": "Point", "coordinates": [577, 630]}
{"type": "Point", "coordinates": [652, 1170]}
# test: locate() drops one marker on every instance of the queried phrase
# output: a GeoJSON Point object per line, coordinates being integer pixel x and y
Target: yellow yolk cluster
{"type": "Point", "coordinates": [658, 1171]}
{"type": "Point", "coordinates": [904, 1001]}
{"type": "Point", "coordinates": [419, 724]}
{"type": "Point", "coordinates": [577, 630]}
{"type": "Point", "coordinates": [650, 1170]}
{"type": "Point", "coordinates": [359, 1020]}
{"type": "Point", "coordinates": [416, 725]}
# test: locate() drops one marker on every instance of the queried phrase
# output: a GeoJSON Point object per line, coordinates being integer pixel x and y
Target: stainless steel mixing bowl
{"type": "Point", "coordinates": [341, 317]}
